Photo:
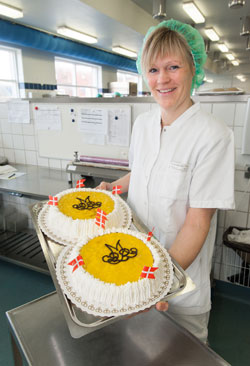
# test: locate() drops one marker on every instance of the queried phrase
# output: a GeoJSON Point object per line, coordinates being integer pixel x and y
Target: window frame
{"type": "Point", "coordinates": [75, 86]}
{"type": "Point", "coordinates": [134, 74]}
{"type": "Point", "coordinates": [18, 72]}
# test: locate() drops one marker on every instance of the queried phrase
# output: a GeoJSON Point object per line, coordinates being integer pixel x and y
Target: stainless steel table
{"type": "Point", "coordinates": [149, 339]}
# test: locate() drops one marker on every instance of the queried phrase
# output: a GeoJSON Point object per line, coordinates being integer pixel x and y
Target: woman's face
{"type": "Point", "coordinates": [170, 80]}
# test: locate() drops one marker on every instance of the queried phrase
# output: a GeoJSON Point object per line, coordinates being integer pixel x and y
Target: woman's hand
{"type": "Point", "coordinates": [161, 306]}
{"type": "Point", "coordinates": [105, 186]}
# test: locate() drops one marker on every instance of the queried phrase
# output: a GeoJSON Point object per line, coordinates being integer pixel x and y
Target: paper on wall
{"type": "Point", "coordinates": [93, 121]}
{"type": "Point", "coordinates": [48, 117]}
{"type": "Point", "coordinates": [119, 127]}
{"type": "Point", "coordinates": [19, 111]}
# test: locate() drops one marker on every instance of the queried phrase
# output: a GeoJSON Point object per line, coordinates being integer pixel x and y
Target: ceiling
{"type": "Point", "coordinates": [115, 26]}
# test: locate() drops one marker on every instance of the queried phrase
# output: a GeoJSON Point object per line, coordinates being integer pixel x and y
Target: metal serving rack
{"type": "Point", "coordinates": [79, 322]}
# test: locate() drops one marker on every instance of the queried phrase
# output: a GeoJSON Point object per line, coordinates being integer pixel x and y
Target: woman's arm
{"type": "Point", "coordinates": [123, 181]}
{"type": "Point", "coordinates": [192, 236]}
{"type": "Point", "coordinates": [190, 240]}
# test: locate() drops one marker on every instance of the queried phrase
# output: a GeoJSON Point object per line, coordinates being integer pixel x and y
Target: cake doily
{"type": "Point", "coordinates": [64, 275]}
{"type": "Point", "coordinates": [47, 226]}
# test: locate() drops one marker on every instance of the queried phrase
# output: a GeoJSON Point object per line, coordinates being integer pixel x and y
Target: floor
{"type": "Point", "coordinates": [229, 326]}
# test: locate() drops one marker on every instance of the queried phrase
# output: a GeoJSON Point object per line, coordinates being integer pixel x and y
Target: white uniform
{"type": "Point", "coordinates": [188, 164]}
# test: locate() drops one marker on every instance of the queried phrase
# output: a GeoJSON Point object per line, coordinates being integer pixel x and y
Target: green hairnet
{"type": "Point", "coordinates": [193, 39]}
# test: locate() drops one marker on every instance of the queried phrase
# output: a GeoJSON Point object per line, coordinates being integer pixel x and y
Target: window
{"type": "Point", "coordinates": [10, 72]}
{"type": "Point", "coordinates": [130, 77]}
{"type": "Point", "coordinates": [77, 79]}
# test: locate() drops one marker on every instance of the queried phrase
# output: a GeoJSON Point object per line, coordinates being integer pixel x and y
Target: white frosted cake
{"type": "Point", "coordinates": [75, 215]}
{"type": "Point", "coordinates": [116, 272]}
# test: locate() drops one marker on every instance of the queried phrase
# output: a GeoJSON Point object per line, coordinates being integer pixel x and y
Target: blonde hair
{"type": "Point", "coordinates": [164, 41]}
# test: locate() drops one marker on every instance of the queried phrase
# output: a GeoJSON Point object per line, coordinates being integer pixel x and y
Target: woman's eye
{"type": "Point", "coordinates": [152, 70]}
{"type": "Point", "coordinates": [174, 67]}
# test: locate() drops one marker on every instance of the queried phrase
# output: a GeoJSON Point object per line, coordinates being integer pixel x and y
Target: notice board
{"type": "Point", "coordinates": [92, 129]}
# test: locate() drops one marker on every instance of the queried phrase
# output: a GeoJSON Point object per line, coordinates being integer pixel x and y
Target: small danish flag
{"type": "Point", "coordinates": [116, 190]}
{"type": "Point", "coordinates": [80, 183]}
{"type": "Point", "coordinates": [53, 201]}
{"type": "Point", "coordinates": [148, 272]}
{"type": "Point", "coordinates": [77, 262]}
{"type": "Point", "coordinates": [150, 234]}
{"type": "Point", "coordinates": [100, 218]}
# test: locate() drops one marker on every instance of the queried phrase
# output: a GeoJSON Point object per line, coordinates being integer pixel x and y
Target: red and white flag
{"type": "Point", "coordinates": [53, 201]}
{"type": "Point", "coordinates": [80, 183]}
{"type": "Point", "coordinates": [100, 218]}
{"type": "Point", "coordinates": [148, 272]}
{"type": "Point", "coordinates": [150, 234]}
{"type": "Point", "coordinates": [76, 263]}
{"type": "Point", "coordinates": [116, 190]}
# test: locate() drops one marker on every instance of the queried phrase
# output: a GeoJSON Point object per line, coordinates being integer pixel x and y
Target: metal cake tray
{"type": "Point", "coordinates": [79, 322]}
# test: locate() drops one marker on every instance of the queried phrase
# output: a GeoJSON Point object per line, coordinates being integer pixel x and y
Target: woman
{"type": "Point", "coordinates": [182, 165]}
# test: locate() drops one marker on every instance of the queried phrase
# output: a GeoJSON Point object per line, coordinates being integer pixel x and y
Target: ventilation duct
{"type": "Point", "coordinates": [159, 10]}
{"type": "Point", "coordinates": [245, 29]}
{"type": "Point", "coordinates": [236, 4]}
{"type": "Point", "coordinates": [28, 37]}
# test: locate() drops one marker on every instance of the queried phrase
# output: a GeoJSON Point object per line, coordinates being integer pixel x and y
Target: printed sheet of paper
{"type": "Point", "coordinates": [119, 127]}
{"type": "Point", "coordinates": [19, 111]}
{"type": "Point", "coordinates": [48, 117]}
{"type": "Point", "coordinates": [93, 121]}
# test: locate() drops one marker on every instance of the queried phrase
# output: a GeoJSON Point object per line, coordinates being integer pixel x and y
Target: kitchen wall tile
{"type": "Point", "coordinates": [7, 141]}
{"type": "Point", "coordinates": [18, 142]}
{"type": "Point", "coordinates": [238, 131]}
{"type": "Point", "coordinates": [219, 236]}
{"type": "Point", "coordinates": [221, 218]}
{"type": "Point", "coordinates": [16, 128]}
{"type": "Point", "coordinates": [31, 157]}
{"type": "Point", "coordinates": [6, 126]}
{"type": "Point", "coordinates": [240, 111]}
{"type": "Point", "coordinates": [29, 143]}
{"type": "Point", "coordinates": [42, 161]}
{"type": "Point", "coordinates": [224, 111]}
{"type": "Point", "coordinates": [3, 110]}
{"type": "Point", "coordinates": [9, 154]}
{"type": "Point", "coordinates": [55, 163]}
{"type": "Point", "coordinates": [20, 157]}
{"type": "Point", "coordinates": [236, 218]}
{"type": "Point", "coordinates": [241, 160]}
{"type": "Point", "coordinates": [1, 151]}
{"type": "Point", "coordinates": [64, 164]}
{"type": "Point", "coordinates": [241, 183]}
{"type": "Point", "coordinates": [242, 201]}
{"type": "Point", "coordinates": [248, 222]}
{"type": "Point", "coordinates": [1, 140]}
{"type": "Point", "coordinates": [28, 129]}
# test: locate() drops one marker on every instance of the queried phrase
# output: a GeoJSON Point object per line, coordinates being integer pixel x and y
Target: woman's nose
{"type": "Point", "coordinates": [163, 76]}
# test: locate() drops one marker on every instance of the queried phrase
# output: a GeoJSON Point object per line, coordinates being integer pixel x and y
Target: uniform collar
{"type": "Point", "coordinates": [184, 116]}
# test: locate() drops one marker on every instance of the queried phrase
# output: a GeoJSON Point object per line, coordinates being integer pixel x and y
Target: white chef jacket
{"type": "Point", "coordinates": [187, 164]}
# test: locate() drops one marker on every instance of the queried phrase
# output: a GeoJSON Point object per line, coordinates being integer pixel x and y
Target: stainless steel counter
{"type": "Point", "coordinates": [148, 339]}
{"type": "Point", "coordinates": [39, 182]}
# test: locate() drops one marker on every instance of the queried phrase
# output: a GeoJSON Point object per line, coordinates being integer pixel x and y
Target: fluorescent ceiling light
{"type": "Point", "coordinates": [241, 77]}
{"type": "Point", "coordinates": [222, 47]}
{"type": "Point", "coordinates": [10, 11]}
{"type": "Point", "coordinates": [123, 51]}
{"type": "Point", "coordinates": [191, 9]}
{"type": "Point", "coordinates": [230, 57]}
{"type": "Point", "coordinates": [235, 63]}
{"type": "Point", "coordinates": [76, 35]}
{"type": "Point", "coordinates": [212, 35]}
